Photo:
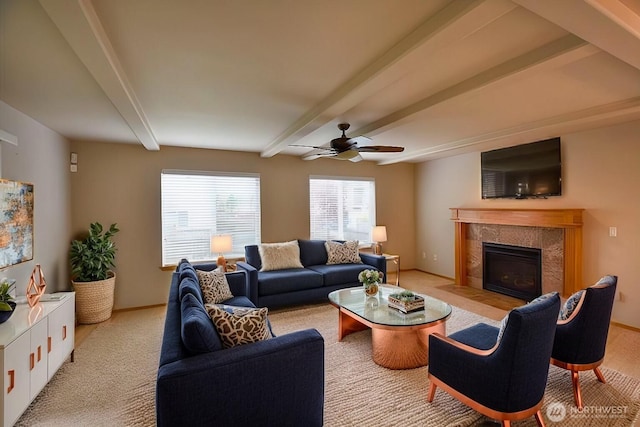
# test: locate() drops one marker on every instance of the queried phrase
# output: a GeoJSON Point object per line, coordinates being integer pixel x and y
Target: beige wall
{"type": "Point", "coordinates": [601, 173]}
{"type": "Point", "coordinates": [121, 183]}
{"type": "Point", "coordinates": [42, 158]}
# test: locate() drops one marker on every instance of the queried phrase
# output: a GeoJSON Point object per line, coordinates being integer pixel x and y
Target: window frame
{"type": "Point", "coordinates": [372, 206]}
{"type": "Point", "coordinates": [169, 260]}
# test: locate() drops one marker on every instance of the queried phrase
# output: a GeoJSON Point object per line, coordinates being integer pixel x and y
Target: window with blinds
{"type": "Point", "coordinates": [198, 205]}
{"type": "Point", "coordinates": [342, 208]}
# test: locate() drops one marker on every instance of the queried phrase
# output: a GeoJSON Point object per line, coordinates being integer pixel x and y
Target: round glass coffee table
{"type": "Point", "coordinates": [399, 341]}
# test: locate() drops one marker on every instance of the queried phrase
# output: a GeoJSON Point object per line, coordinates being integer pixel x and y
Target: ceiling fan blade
{"type": "Point", "coordinates": [380, 149]}
{"type": "Point", "coordinates": [318, 153]}
{"type": "Point", "coordinates": [324, 147]}
{"type": "Point", "coordinates": [356, 158]}
{"type": "Point", "coordinates": [364, 140]}
{"type": "Point", "coordinates": [316, 156]}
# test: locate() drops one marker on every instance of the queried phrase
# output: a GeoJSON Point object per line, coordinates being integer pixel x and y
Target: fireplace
{"type": "Point", "coordinates": [512, 270]}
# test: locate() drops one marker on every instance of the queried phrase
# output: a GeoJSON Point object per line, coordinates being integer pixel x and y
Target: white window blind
{"type": "Point", "coordinates": [342, 208]}
{"type": "Point", "coordinates": [198, 205]}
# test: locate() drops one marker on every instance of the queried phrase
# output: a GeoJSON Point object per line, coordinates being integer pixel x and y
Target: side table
{"type": "Point", "coordinates": [396, 261]}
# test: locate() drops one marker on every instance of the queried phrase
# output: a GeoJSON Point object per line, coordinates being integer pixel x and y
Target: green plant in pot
{"type": "Point", "coordinates": [7, 306]}
{"type": "Point", "coordinates": [93, 280]}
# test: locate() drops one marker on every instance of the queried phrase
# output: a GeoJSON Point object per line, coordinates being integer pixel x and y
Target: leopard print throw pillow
{"type": "Point", "coordinates": [342, 253]}
{"type": "Point", "coordinates": [214, 285]}
{"type": "Point", "coordinates": [239, 325]}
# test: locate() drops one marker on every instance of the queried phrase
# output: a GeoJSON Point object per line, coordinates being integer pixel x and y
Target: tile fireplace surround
{"type": "Point", "coordinates": [558, 232]}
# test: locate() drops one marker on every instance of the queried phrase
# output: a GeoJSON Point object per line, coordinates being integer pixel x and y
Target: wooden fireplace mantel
{"type": "Point", "coordinates": [568, 219]}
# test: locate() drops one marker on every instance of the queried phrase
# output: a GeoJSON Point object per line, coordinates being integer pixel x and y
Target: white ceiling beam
{"type": "Point", "coordinates": [583, 119]}
{"type": "Point", "coordinates": [81, 27]}
{"type": "Point", "coordinates": [607, 24]}
{"type": "Point", "coordinates": [567, 49]}
{"type": "Point", "coordinates": [7, 137]}
{"type": "Point", "coordinates": [470, 15]}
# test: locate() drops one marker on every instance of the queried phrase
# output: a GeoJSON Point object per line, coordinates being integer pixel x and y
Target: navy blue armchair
{"type": "Point", "coordinates": [503, 377]}
{"type": "Point", "coordinates": [581, 338]}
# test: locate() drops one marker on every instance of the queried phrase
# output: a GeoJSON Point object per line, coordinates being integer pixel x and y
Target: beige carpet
{"type": "Point", "coordinates": [111, 383]}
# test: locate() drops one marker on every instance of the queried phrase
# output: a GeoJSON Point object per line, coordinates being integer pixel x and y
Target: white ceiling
{"type": "Point", "coordinates": [438, 77]}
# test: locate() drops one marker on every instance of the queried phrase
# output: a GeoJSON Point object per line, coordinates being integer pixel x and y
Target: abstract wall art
{"type": "Point", "coordinates": [16, 222]}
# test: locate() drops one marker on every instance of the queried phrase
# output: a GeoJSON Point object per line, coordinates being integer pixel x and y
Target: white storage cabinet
{"type": "Point", "coordinates": [34, 343]}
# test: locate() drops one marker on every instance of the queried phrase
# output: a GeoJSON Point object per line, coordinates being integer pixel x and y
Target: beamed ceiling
{"type": "Point", "coordinates": [437, 77]}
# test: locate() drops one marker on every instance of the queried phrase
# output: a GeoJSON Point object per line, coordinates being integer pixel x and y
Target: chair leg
{"type": "Point", "coordinates": [539, 419]}
{"type": "Point", "coordinates": [432, 392]}
{"type": "Point", "coordinates": [575, 379]}
{"type": "Point", "coordinates": [506, 423]}
{"type": "Point", "coordinates": [599, 375]}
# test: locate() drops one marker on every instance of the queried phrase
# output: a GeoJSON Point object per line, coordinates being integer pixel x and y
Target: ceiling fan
{"type": "Point", "coordinates": [345, 148]}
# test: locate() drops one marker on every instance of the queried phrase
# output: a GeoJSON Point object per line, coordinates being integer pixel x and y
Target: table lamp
{"type": "Point", "coordinates": [220, 244]}
{"type": "Point", "coordinates": [378, 235]}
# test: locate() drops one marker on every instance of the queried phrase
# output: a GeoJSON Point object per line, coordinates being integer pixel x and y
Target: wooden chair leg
{"type": "Point", "coordinates": [539, 419]}
{"type": "Point", "coordinates": [575, 379]}
{"type": "Point", "coordinates": [506, 423]}
{"type": "Point", "coordinates": [432, 392]}
{"type": "Point", "coordinates": [599, 375]}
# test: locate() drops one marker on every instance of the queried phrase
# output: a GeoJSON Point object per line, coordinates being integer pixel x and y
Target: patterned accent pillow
{"type": "Point", "coordinates": [279, 256]}
{"type": "Point", "coordinates": [342, 253]}
{"type": "Point", "coordinates": [503, 326]}
{"type": "Point", "coordinates": [570, 305]}
{"type": "Point", "coordinates": [239, 325]}
{"type": "Point", "coordinates": [214, 285]}
{"type": "Point", "coordinates": [606, 280]}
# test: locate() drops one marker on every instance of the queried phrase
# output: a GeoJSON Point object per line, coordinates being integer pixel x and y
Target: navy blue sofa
{"type": "Point", "coordinates": [279, 381]}
{"type": "Point", "coordinates": [313, 283]}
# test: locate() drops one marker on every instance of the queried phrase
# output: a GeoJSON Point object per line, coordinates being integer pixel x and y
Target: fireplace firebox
{"type": "Point", "coordinates": [512, 270]}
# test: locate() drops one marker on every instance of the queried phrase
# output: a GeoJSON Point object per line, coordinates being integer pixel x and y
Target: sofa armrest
{"type": "Point", "coordinates": [377, 261]}
{"type": "Point", "coordinates": [252, 280]}
{"type": "Point", "coordinates": [289, 368]}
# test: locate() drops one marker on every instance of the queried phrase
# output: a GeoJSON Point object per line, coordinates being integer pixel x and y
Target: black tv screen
{"type": "Point", "coordinates": [523, 171]}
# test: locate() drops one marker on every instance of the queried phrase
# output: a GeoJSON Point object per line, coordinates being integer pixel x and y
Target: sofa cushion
{"type": "Point", "coordinates": [190, 286]}
{"type": "Point", "coordinates": [291, 280]}
{"type": "Point", "coordinates": [338, 274]}
{"type": "Point", "coordinates": [197, 330]}
{"type": "Point", "coordinates": [214, 285]}
{"type": "Point", "coordinates": [280, 256]}
{"type": "Point", "coordinates": [239, 325]}
{"type": "Point", "coordinates": [342, 253]}
{"type": "Point", "coordinates": [239, 301]}
{"type": "Point", "coordinates": [186, 270]}
{"type": "Point", "coordinates": [312, 252]}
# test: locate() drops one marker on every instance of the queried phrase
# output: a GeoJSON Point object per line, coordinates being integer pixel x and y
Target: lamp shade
{"type": "Point", "coordinates": [379, 233]}
{"type": "Point", "coordinates": [221, 243]}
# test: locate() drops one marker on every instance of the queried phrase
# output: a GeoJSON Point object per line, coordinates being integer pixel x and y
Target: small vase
{"type": "Point", "coordinates": [371, 289]}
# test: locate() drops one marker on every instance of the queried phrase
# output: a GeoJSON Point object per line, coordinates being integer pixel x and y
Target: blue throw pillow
{"type": "Point", "coordinates": [187, 270]}
{"type": "Point", "coordinates": [198, 333]}
{"type": "Point", "coordinates": [190, 286]}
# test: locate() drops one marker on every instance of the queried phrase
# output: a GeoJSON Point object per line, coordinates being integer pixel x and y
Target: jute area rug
{"type": "Point", "coordinates": [112, 382]}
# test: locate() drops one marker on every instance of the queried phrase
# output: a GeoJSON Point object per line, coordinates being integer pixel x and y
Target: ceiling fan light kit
{"type": "Point", "coordinates": [345, 148]}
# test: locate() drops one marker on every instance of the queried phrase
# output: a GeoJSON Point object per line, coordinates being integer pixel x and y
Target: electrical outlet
{"type": "Point", "coordinates": [435, 257]}
{"type": "Point", "coordinates": [424, 255]}
{"type": "Point", "coordinates": [613, 231]}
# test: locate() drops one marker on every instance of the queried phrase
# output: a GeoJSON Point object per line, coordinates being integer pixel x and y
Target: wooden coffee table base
{"type": "Point", "coordinates": [394, 347]}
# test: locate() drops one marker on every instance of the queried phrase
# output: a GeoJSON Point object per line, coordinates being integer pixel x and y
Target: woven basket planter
{"type": "Point", "coordinates": [94, 300]}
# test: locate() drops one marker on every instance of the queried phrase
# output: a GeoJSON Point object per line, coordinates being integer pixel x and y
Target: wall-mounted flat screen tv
{"type": "Point", "coordinates": [522, 171]}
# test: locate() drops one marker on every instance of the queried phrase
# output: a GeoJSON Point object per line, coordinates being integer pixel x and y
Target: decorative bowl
{"type": "Point", "coordinates": [5, 315]}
